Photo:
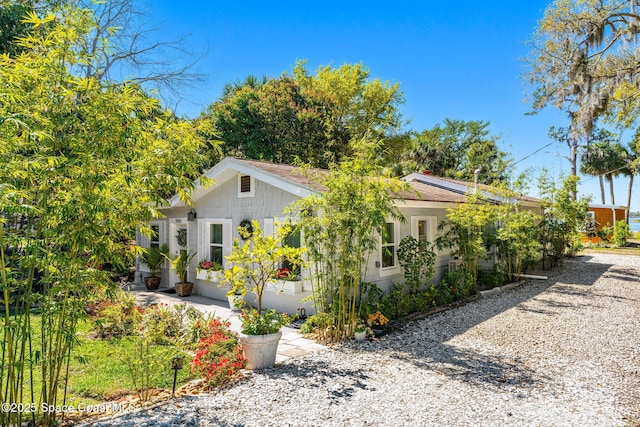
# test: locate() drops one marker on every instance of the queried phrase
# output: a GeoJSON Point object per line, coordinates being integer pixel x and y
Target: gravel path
{"type": "Point", "coordinates": [560, 352]}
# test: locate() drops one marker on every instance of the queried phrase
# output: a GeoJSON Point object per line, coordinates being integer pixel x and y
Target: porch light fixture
{"type": "Point", "coordinates": [192, 215]}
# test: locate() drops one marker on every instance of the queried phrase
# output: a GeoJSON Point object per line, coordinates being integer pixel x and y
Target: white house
{"type": "Point", "coordinates": [255, 190]}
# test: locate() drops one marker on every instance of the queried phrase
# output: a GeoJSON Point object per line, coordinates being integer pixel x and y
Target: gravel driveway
{"type": "Point", "coordinates": [560, 352]}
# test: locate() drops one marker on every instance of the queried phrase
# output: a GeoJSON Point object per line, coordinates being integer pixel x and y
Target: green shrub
{"type": "Point", "coordinates": [620, 233]}
{"type": "Point", "coordinates": [416, 258]}
{"type": "Point", "coordinates": [605, 233]}
{"type": "Point", "coordinates": [319, 321]}
{"type": "Point", "coordinates": [489, 279]}
{"type": "Point", "coordinates": [117, 317]}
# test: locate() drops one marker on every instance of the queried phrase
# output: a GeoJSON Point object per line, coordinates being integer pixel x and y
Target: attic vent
{"type": "Point", "coordinates": [245, 184]}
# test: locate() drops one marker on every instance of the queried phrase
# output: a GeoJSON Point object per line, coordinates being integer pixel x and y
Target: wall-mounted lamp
{"type": "Point", "coordinates": [192, 215]}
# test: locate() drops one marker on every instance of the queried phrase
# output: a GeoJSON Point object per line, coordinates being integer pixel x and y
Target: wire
{"type": "Point", "coordinates": [534, 153]}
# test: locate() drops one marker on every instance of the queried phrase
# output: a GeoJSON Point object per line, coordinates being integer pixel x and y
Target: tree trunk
{"type": "Point", "coordinates": [631, 176]}
{"type": "Point", "coordinates": [613, 196]}
{"type": "Point", "coordinates": [602, 189]}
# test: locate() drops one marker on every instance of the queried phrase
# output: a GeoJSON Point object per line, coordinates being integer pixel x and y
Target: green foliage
{"type": "Point", "coordinates": [117, 317]}
{"type": "Point", "coordinates": [181, 264]}
{"type": "Point", "coordinates": [321, 323]}
{"type": "Point", "coordinates": [516, 240]}
{"type": "Point", "coordinates": [267, 119]}
{"type": "Point", "coordinates": [255, 263]}
{"type": "Point", "coordinates": [489, 279]}
{"type": "Point", "coordinates": [456, 285]}
{"type": "Point", "coordinates": [562, 217]}
{"type": "Point", "coordinates": [620, 233]}
{"type": "Point", "coordinates": [179, 325]}
{"type": "Point", "coordinates": [417, 259]}
{"type": "Point", "coordinates": [146, 364]}
{"type": "Point", "coordinates": [455, 150]}
{"type": "Point", "coordinates": [582, 61]}
{"type": "Point", "coordinates": [470, 231]}
{"type": "Point", "coordinates": [263, 323]}
{"type": "Point", "coordinates": [154, 257]}
{"type": "Point", "coordinates": [356, 204]}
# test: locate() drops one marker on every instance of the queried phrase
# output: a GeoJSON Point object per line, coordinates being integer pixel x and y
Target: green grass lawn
{"type": "Point", "coordinates": [99, 372]}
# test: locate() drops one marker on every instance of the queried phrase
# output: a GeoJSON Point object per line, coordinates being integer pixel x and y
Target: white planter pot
{"type": "Point", "coordinates": [235, 307]}
{"type": "Point", "coordinates": [360, 336]}
{"type": "Point", "coordinates": [288, 287]}
{"type": "Point", "coordinates": [260, 350]}
{"type": "Point", "coordinates": [209, 276]}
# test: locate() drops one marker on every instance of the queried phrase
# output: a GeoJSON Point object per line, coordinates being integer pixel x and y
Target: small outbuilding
{"type": "Point", "coordinates": [604, 216]}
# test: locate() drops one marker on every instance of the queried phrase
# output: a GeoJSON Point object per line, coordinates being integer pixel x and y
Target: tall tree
{"type": "Point", "coordinates": [456, 149]}
{"type": "Point", "coordinates": [583, 52]}
{"type": "Point", "coordinates": [632, 163]}
{"type": "Point", "coordinates": [305, 118]}
{"type": "Point", "coordinates": [357, 105]}
{"type": "Point", "coordinates": [251, 81]}
{"type": "Point", "coordinates": [81, 162]}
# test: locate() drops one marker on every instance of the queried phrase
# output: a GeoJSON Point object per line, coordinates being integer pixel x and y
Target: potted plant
{"type": "Point", "coordinates": [154, 257]}
{"type": "Point", "coordinates": [253, 265]}
{"type": "Point", "coordinates": [360, 331]}
{"type": "Point", "coordinates": [209, 270]}
{"type": "Point", "coordinates": [377, 321]}
{"type": "Point", "coordinates": [234, 295]}
{"type": "Point", "coordinates": [181, 264]}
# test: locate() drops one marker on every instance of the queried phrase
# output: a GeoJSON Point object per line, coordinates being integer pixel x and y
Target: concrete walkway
{"type": "Point", "coordinates": [291, 344]}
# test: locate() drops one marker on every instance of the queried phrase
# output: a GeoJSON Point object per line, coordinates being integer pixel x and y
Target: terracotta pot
{"type": "Point", "coordinates": [260, 350]}
{"type": "Point", "coordinates": [184, 289]}
{"type": "Point", "coordinates": [152, 282]}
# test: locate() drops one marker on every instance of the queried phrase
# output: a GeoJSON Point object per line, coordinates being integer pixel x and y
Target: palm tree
{"type": "Point", "coordinates": [604, 158]}
{"type": "Point", "coordinates": [592, 163]}
{"type": "Point", "coordinates": [632, 163]}
{"type": "Point", "coordinates": [251, 81]}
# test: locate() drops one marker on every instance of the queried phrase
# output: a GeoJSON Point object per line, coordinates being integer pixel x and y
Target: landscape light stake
{"type": "Point", "coordinates": [176, 365]}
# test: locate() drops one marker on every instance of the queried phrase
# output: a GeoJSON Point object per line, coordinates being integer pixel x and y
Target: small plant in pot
{"type": "Point", "coordinates": [377, 321]}
{"type": "Point", "coordinates": [253, 264]}
{"type": "Point", "coordinates": [154, 257]}
{"type": "Point", "coordinates": [181, 264]}
{"type": "Point", "coordinates": [360, 331]}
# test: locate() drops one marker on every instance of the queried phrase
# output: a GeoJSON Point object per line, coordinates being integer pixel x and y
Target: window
{"type": "Point", "coordinates": [216, 243]}
{"type": "Point", "coordinates": [423, 228]}
{"type": "Point", "coordinates": [292, 240]}
{"type": "Point", "coordinates": [154, 239]}
{"type": "Point", "coordinates": [245, 186]}
{"type": "Point", "coordinates": [389, 245]}
{"type": "Point", "coordinates": [388, 262]}
{"type": "Point", "coordinates": [214, 239]}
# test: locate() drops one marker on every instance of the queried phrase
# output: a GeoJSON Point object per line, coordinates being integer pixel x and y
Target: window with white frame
{"type": "Point", "coordinates": [423, 228]}
{"type": "Point", "coordinates": [294, 239]}
{"type": "Point", "coordinates": [389, 245]}
{"type": "Point", "coordinates": [216, 243]}
{"type": "Point", "coordinates": [246, 186]}
{"type": "Point", "coordinates": [214, 240]}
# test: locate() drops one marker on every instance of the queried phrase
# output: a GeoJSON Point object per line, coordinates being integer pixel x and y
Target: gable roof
{"type": "Point", "coordinates": [286, 177]}
{"type": "Point", "coordinates": [292, 179]}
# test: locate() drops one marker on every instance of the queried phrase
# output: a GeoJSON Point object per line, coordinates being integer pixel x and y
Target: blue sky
{"type": "Point", "coordinates": [458, 60]}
